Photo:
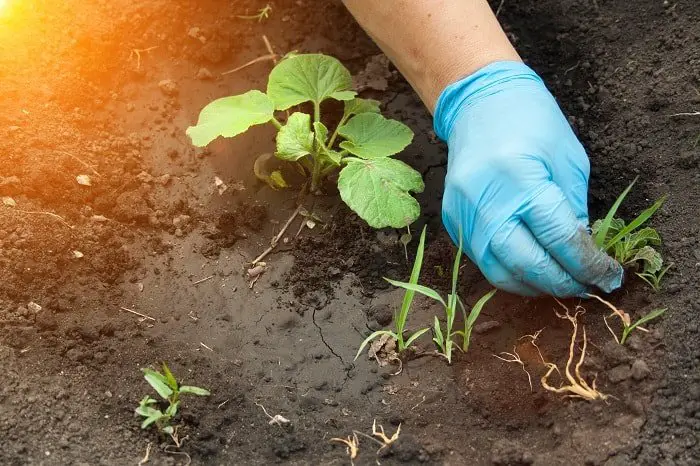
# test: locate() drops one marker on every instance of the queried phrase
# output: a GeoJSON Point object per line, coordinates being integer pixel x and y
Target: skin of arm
{"type": "Point", "coordinates": [434, 43]}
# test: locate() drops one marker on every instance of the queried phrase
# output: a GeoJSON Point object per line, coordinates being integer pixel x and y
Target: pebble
{"type": "Point", "coordinates": [487, 326]}
{"type": "Point", "coordinates": [204, 74]}
{"type": "Point", "coordinates": [640, 370]}
{"type": "Point", "coordinates": [168, 87]}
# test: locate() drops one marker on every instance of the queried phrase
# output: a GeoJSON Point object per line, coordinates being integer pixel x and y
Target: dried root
{"type": "Point", "coordinates": [624, 317]}
{"type": "Point", "coordinates": [578, 387]}
{"type": "Point", "coordinates": [379, 433]}
{"type": "Point", "coordinates": [515, 357]}
{"type": "Point", "coordinates": [352, 444]}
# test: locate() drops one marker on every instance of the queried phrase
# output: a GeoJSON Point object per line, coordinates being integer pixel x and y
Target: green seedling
{"type": "Point", "coordinates": [402, 316]}
{"type": "Point", "coordinates": [170, 390]}
{"type": "Point", "coordinates": [627, 325]}
{"type": "Point", "coordinates": [654, 279]}
{"type": "Point", "coordinates": [470, 320]}
{"type": "Point", "coordinates": [628, 243]}
{"type": "Point", "coordinates": [372, 183]}
{"type": "Point", "coordinates": [263, 13]}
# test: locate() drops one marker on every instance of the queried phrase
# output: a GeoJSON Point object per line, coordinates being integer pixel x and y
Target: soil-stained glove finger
{"type": "Point", "coordinates": [520, 252]}
{"type": "Point", "coordinates": [557, 229]}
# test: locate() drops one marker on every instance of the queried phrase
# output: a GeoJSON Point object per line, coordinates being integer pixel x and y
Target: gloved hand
{"type": "Point", "coordinates": [516, 185]}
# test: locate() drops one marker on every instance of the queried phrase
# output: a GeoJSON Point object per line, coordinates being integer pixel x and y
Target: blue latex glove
{"type": "Point", "coordinates": [517, 185]}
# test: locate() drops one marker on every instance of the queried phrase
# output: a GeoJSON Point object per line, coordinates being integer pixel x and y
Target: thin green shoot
{"type": "Point", "coordinates": [401, 317]}
{"type": "Point", "coordinates": [627, 325]}
{"type": "Point", "coordinates": [601, 235]}
{"type": "Point", "coordinates": [470, 319]}
{"type": "Point", "coordinates": [653, 279]}
{"type": "Point", "coordinates": [636, 223]}
{"type": "Point", "coordinates": [637, 325]}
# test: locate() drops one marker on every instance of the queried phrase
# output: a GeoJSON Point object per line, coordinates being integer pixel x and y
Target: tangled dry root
{"type": "Point", "coordinates": [578, 387]}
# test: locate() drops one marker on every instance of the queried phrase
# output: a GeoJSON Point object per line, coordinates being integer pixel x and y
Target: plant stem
{"type": "Point", "coordinates": [276, 122]}
{"type": "Point", "coordinates": [316, 175]}
{"type": "Point", "coordinates": [335, 133]}
{"type": "Point", "coordinates": [317, 112]}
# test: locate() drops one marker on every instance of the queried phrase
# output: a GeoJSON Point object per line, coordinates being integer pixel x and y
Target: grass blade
{"type": "Point", "coordinates": [372, 337]}
{"type": "Point", "coordinates": [408, 296]}
{"type": "Point", "coordinates": [476, 310]}
{"type": "Point", "coordinates": [194, 390]}
{"type": "Point", "coordinates": [651, 316]}
{"type": "Point", "coordinates": [169, 377]}
{"type": "Point", "coordinates": [424, 290]}
{"type": "Point", "coordinates": [158, 382]}
{"type": "Point", "coordinates": [637, 222]}
{"type": "Point", "coordinates": [438, 338]}
{"type": "Point", "coordinates": [415, 336]}
{"type": "Point", "coordinates": [605, 226]}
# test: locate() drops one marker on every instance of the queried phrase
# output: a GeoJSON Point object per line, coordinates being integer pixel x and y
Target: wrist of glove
{"type": "Point", "coordinates": [517, 185]}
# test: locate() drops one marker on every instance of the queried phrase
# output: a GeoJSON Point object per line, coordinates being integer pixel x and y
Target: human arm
{"type": "Point", "coordinates": [517, 177]}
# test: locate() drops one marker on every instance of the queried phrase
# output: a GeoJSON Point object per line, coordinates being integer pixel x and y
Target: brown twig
{"type": "Point", "coordinates": [146, 457]}
{"type": "Point", "coordinates": [86, 165]}
{"type": "Point", "coordinates": [278, 237]}
{"type": "Point", "coordinates": [138, 52]}
{"type": "Point", "coordinates": [272, 57]}
{"type": "Point", "coordinates": [50, 214]}
{"type": "Point", "coordinates": [143, 316]}
{"type": "Point", "coordinates": [203, 280]}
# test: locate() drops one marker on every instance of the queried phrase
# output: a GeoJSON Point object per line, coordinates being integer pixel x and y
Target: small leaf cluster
{"type": "Point", "coordinates": [443, 339]}
{"type": "Point", "coordinates": [170, 390]}
{"type": "Point", "coordinates": [630, 244]}
{"type": "Point", "coordinates": [373, 184]}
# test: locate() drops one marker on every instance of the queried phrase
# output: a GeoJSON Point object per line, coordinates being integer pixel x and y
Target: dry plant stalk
{"type": "Point", "coordinates": [578, 387]}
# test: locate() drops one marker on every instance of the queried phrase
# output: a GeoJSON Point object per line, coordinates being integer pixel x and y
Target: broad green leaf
{"type": "Point", "coordinates": [424, 290]}
{"type": "Point", "coordinates": [158, 382]}
{"type": "Point", "coordinates": [645, 236]}
{"type": "Point", "coordinates": [194, 390]}
{"type": "Point", "coordinates": [378, 190]}
{"type": "Point", "coordinates": [372, 336]}
{"type": "Point", "coordinates": [151, 419]}
{"type": "Point", "coordinates": [147, 411]}
{"type": "Point", "coordinates": [637, 222]}
{"type": "Point", "coordinates": [295, 139]}
{"type": "Point", "coordinates": [415, 336]}
{"type": "Point", "coordinates": [169, 377]}
{"type": "Point", "coordinates": [652, 315]}
{"type": "Point", "coordinates": [308, 77]}
{"type": "Point", "coordinates": [371, 136]}
{"type": "Point", "coordinates": [651, 258]}
{"type": "Point", "coordinates": [358, 105]}
{"type": "Point", "coordinates": [231, 116]}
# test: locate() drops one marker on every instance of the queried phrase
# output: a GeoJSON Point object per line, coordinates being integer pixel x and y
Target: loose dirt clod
{"type": "Point", "coordinates": [578, 387]}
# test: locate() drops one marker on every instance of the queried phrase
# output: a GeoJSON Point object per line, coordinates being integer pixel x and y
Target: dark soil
{"type": "Point", "coordinates": [152, 234]}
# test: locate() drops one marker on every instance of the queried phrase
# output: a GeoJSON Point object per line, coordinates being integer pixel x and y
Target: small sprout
{"type": "Point", "coordinates": [578, 387]}
{"type": "Point", "coordinates": [627, 325]}
{"type": "Point", "coordinates": [653, 279]}
{"type": "Point", "coordinates": [629, 244]}
{"type": "Point", "coordinates": [405, 239]}
{"type": "Point", "coordinates": [402, 316]}
{"type": "Point", "coordinates": [170, 390]}
{"type": "Point", "coordinates": [263, 13]}
{"type": "Point", "coordinates": [352, 444]}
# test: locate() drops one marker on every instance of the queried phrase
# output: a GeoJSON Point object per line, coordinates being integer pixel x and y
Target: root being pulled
{"type": "Point", "coordinates": [578, 387]}
{"type": "Point", "coordinates": [515, 357]}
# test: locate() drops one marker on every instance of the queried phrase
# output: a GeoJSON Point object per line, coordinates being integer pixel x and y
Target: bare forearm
{"type": "Point", "coordinates": [434, 42]}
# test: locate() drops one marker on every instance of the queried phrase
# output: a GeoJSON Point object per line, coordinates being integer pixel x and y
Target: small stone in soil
{"type": "Point", "coordinates": [640, 369]}
{"type": "Point", "coordinates": [487, 326]}
{"type": "Point", "coordinates": [204, 74]}
{"type": "Point", "coordinates": [168, 87]}
{"type": "Point", "coordinates": [619, 373]}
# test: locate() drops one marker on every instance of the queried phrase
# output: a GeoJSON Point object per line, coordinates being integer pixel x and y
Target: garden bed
{"type": "Point", "coordinates": [107, 89]}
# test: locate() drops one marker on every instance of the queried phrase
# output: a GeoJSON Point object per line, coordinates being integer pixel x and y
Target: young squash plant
{"type": "Point", "coordinates": [630, 244]}
{"type": "Point", "coordinates": [373, 184]}
{"type": "Point", "coordinates": [170, 390]}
